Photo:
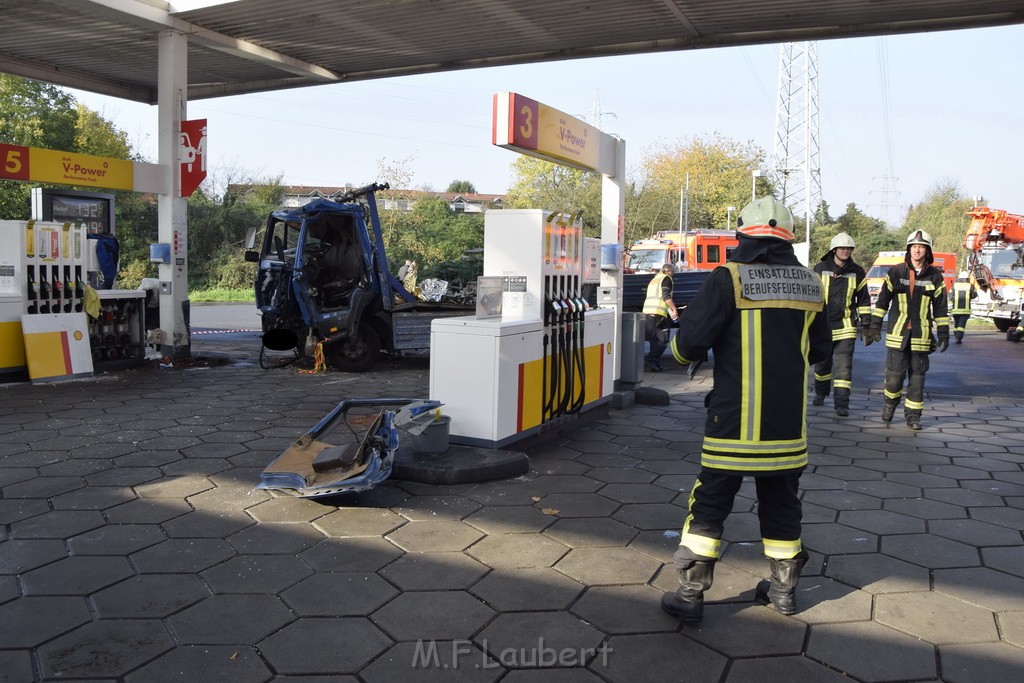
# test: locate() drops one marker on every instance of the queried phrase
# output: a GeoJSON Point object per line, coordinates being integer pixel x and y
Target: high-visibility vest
{"type": "Point", "coordinates": [961, 299]}
{"type": "Point", "coordinates": [654, 304]}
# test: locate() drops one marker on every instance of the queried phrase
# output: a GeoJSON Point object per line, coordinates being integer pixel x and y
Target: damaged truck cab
{"type": "Point", "coordinates": [324, 277]}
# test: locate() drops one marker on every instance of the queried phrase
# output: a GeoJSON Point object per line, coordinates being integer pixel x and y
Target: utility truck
{"type": "Point", "coordinates": [324, 285]}
{"type": "Point", "coordinates": [688, 250]}
{"type": "Point", "coordinates": [995, 244]}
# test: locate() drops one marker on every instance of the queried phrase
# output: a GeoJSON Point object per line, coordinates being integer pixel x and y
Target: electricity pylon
{"type": "Point", "coordinates": [796, 154]}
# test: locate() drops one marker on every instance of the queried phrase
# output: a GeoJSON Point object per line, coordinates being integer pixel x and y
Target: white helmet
{"type": "Point", "coordinates": [963, 275]}
{"type": "Point", "coordinates": [920, 237]}
{"type": "Point", "coordinates": [841, 240]}
{"type": "Point", "coordinates": [766, 217]}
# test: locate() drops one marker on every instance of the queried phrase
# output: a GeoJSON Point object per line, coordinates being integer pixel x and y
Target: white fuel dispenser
{"type": "Point", "coordinates": [548, 358]}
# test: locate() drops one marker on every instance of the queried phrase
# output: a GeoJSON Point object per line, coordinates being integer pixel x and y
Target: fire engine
{"type": "Point", "coordinates": [689, 250]}
{"type": "Point", "coordinates": [995, 244]}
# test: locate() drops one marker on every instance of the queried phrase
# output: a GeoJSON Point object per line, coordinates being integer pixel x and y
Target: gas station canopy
{"type": "Point", "coordinates": [242, 46]}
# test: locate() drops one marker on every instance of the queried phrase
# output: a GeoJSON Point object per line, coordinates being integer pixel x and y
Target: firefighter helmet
{"type": "Point", "coordinates": [963, 276]}
{"type": "Point", "coordinates": [920, 237]}
{"type": "Point", "coordinates": [841, 240]}
{"type": "Point", "coordinates": [764, 218]}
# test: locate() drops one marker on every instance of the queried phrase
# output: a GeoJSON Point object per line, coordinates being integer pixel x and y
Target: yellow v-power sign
{"type": "Point", "coordinates": [18, 162]}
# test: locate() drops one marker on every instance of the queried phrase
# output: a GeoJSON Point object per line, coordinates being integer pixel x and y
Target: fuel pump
{"type": "Point", "coordinates": [548, 358]}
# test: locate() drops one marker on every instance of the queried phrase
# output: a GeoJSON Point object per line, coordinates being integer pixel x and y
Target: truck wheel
{"type": "Point", "coordinates": [357, 353]}
{"type": "Point", "coordinates": [1002, 324]}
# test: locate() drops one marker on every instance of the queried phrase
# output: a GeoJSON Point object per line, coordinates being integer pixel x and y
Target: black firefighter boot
{"type": "Point", "coordinates": [781, 589]}
{"type": "Point", "coordinates": [687, 602]}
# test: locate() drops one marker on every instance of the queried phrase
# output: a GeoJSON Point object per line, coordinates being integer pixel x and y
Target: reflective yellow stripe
{"type": "Point", "coordinates": [843, 384]}
{"type": "Point", "coordinates": [700, 545]}
{"type": "Point", "coordinates": [781, 550]}
{"type": "Point", "coordinates": [750, 401]}
{"type": "Point", "coordinates": [680, 358]}
{"type": "Point", "coordinates": [759, 464]}
{"type": "Point", "coordinates": [914, 405]}
{"type": "Point", "coordinates": [894, 395]}
{"type": "Point", "coordinates": [822, 378]}
{"type": "Point", "coordinates": [742, 446]}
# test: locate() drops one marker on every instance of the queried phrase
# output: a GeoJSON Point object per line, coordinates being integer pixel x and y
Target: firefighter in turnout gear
{"type": "Point", "coordinates": [762, 315]}
{"type": "Point", "coordinates": [914, 297]}
{"type": "Point", "coordinates": [847, 304]}
{"type": "Point", "coordinates": [960, 304]}
{"type": "Point", "coordinates": [659, 309]}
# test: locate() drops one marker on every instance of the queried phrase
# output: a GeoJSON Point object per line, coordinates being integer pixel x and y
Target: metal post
{"type": "Point", "coordinates": [728, 217]}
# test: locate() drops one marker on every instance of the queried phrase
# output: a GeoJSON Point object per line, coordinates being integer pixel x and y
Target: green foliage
{"type": "Point", "coordinates": [462, 187]}
{"type": "Point", "coordinates": [943, 213]}
{"type": "Point", "coordinates": [431, 234]}
{"type": "Point", "coordinates": [133, 270]}
{"type": "Point", "coordinates": [217, 294]}
{"type": "Point", "coordinates": [869, 234]}
{"type": "Point", "coordinates": [538, 184]}
{"type": "Point", "coordinates": [720, 175]}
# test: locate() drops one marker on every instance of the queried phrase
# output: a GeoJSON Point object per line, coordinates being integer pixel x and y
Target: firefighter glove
{"type": "Point", "coordinates": [874, 334]}
{"type": "Point", "coordinates": [943, 342]}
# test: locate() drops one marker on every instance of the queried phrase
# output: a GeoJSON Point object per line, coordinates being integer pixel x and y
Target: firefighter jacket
{"type": "Point", "coordinates": [960, 300]}
{"type": "Point", "coordinates": [659, 290]}
{"type": "Point", "coordinates": [765, 325]}
{"type": "Point", "coordinates": [912, 314]}
{"type": "Point", "coordinates": [847, 302]}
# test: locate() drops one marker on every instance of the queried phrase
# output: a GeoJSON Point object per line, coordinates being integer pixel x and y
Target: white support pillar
{"type": "Point", "coordinates": [172, 100]}
{"type": "Point", "coordinates": [613, 222]}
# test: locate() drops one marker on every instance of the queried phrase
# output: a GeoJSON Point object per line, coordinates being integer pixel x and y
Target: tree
{"type": "Point", "coordinates": [539, 184]}
{"type": "Point", "coordinates": [432, 234]}
{"type": "Point", "coordinates": [720, 172]}
{"type": "Point", "coordinates": [33, 114]}
{"type": "Point", "coordinates": [461, 187]}
{"type": "Point", "coordinates": [943, 213]}
{"type": "Point", "coordinates": [869, 234]}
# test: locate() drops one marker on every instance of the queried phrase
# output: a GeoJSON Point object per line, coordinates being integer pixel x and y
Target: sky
{"type": "Point", "coordinates": [920, 109]}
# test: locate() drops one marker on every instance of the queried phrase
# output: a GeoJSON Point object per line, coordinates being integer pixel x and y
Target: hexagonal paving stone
{"type": "Point", "coordinates": [1009, 560]}
{"type": "Point", "coordinates": [981, 586]}
{"type": "Point", "coordinates": [503, 493]}
{"type": "Point", "coordinates": [653, 515]}
{"type": "Point", "coordinates": [936, 618]}
{"type": "Point", "coordinates": [440, 536]}
{"type": "Point", "coordinates": [796, 668]}
{"type": "Point", "coordinates": [287, 509]}
{"type": "Point", "coordinates": [174, 487]}
{"type": "Point", "coordinates": [930, 551]}
{"type": "Point", "coordinates": [591, 531]}
{"type": "Point", "coordinates": [821, 600]}
{"type": "Point", "coordinates": [76, 575]}
{"type": "Point", "coordinates": [57, 524]}
{"type": "Point", "coordinates": [745, 630]}
{"type": "Point", "coordinates": [324, 646]}
{"type": "Point", "coordinates": [116, 539]}
{"type": "Point", "coordinates": [974, 532]}
{"type": "Point", "coordinates": [17, 557]}
{"type": "Point", "coordinates": [882, 522]}
{"type": "Point", "coordinates": [624, 609]}
{"type": "Point", "coordinates": [204, 662]}
{"type": "Point", "coordinates": [441, 615]}
{"type": "Point", "coordinates": [925, 509]}
{"type": "Point", "coordinates": [524, 637]}
{"type": "Point", "coordinates": [182, 555]}
{"type": "Point", "coordinates": [458, 661]}
{"type": "Point", "coordinates": [275, 539]}
{"type": "Point", "coordinates": [843, 500]}
{"type": "Point", "coordinates": [147, 511]}
{"type": "Point", "coordinates": [510, 519]}
{"type": "Point", "coordinates": [566, 483]}
{"type": "Point", "coordinates": [16, 665]}
{"type": "Point", "coordinates": [226, 619]}
{"type": "Point", "coordinates": [1011, 625]}
{"type": "Point", "coordinates": [104, 649]}
{"type": "Point", "coordinates": [510, 551]}
{"type": "Point", "coordinates": [206, 524]}
{"type": "Point", "coordinates": [152, 596]}
{"type": "Point", "coordinates": [341, 595]}
{"type": "Point", "coordinates": [836, 539]}
{"type": "Point", "coordinates": [871, 652]}
{"type": "Point", "coordinates": [359, 522]}
{"type": "Point", "coordinates": [434, 571]}
{"type": "Point", "coordinates": [515, 590]}
{"type": "Point", "coordinates": [628, 659]}
{"type": "Point", "coordinates": [877, 573]}
{"type": "Point", "coordinates": [980, 663]}
{"type": "Point", "coordinates": [607, 566]}
{"type": "Point", "coordinates": [637, 493]}
{"type": "Point", "coordinates": [350, 554]}
{"type": "Point", "coordinates": [435, 508]}
{"type": "Point", "coordinates": [27, 622]}
{"type": "Point", "coordinates": [256, 574]}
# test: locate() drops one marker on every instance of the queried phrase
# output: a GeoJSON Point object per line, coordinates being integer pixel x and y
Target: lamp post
{"type": "Point", "coordinates": [754, 175]}
{"type": "Point", "coordinates": [728, 216]}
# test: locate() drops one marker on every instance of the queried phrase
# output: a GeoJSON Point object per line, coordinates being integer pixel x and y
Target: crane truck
{"type": "Point", "coordinates": [995, 245]}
